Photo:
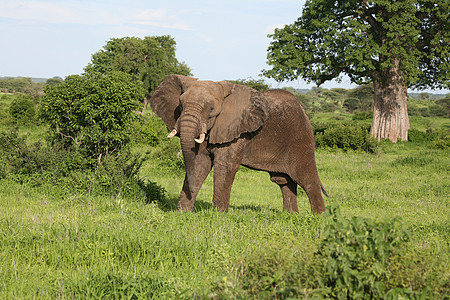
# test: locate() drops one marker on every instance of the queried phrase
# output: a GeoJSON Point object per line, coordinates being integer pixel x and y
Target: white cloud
{"type": "Point", "coordinates": [159, 18]}
{"type": "Point", "coordinates": [84, 13]}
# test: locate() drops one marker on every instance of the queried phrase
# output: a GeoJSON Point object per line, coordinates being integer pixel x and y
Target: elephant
{"type": "Point", "coordinates": [226, 125]}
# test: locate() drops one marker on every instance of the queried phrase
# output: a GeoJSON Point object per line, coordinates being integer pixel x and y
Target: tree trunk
{"type": "Point", "coordinates": [390, 115]}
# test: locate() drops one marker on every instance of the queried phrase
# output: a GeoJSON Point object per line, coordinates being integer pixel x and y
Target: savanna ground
{"type": "Point", "coordinates": [56, 244]}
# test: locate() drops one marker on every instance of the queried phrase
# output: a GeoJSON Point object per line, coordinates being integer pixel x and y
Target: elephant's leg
{"type": "Point", "coordinates": [312, 186]}
{"type": "Point", "coordinates": [288, 189]}
{"type": "Point", "coordinates": [223, 180]}
{"type": "Point", "coordinates": [226, 163]}
{"type": "Point", "coordinates": [187, 198]}
{"type": "Point", "coordinates": [314, 193]}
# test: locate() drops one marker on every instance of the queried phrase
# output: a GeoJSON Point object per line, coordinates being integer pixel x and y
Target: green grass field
{"type": "Point", "coordinates": [109, 247]}
{"type": "Point", "coordinates": [85, 245]}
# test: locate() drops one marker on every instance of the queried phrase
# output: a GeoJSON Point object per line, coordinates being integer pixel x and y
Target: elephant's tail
{"type": "Point", "coordinates": [323, 189]}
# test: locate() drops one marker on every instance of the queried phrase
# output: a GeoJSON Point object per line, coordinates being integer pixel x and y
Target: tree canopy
{"type": "Point", "coordinates": [361, 39]}
{"type": "Point", "coordinates": [150, 59]}
{"type": "Point", "coordinates": [394, 44]}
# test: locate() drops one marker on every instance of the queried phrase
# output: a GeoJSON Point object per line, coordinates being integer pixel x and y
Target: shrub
{"type": "Point", "coordinates": [415, 135]}
{"type": "Point", "coordinates": [68, 171]}
{"type": "Point", "coordinates": [439, 138]}
{"type": "Point", "coordinates": [345, 136]}
{"type": "Point", "coordinates": [356, 253]}
{"type": "Point", "coordinates": [94, 113]}
{"type": "Point", "coordinates": [23, 160]}
{"type": "Point", "coordinates": [357, 258]}
{"type": "Point", "coordinates": [168, 156]}
{"type": "Point", "coordinates": [149, 129]}
{"type": "Point", "coordinates": [22, 110]}
{"type": "Point", "coordinates": [362, 115]}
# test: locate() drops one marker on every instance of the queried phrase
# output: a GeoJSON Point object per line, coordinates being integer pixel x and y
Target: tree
{"type": "Point", "coordinates": [394, 44]}
{"type": "Point", "coordinates": [150, 59]}
{"type": "Point", "coordinates": [94, 113]}
{"type": "Point", "coordinates": [257, 84]}
{"type": "Point", "coordinates": [364, 93]}
{"type": "Point", "coordinates": [54, 81]}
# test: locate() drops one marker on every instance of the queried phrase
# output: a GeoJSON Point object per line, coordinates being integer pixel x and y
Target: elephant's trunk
{"type": "Point", "coordinates": [190, 129]}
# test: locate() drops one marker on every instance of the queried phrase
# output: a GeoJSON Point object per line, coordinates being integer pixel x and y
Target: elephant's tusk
{"type": "Point", "coordinates": [201, 138]}
{"type": "Point", "coordinates": [172, 134]}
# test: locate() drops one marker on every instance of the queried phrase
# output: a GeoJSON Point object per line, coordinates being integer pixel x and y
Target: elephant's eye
{"type": "Point", "coordinates": [211, 108]}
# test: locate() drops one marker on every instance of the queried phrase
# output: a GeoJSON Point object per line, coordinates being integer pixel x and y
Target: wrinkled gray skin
{"type": "Point", "coordinates": [225, 125]}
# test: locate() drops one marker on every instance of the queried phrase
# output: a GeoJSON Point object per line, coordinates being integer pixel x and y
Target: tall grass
{"type": "Point", "coordinates": [111, 247]}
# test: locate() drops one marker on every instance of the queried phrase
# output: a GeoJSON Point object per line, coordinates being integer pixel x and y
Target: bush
{"type": "Point", "coordinates": [345, 135]}
{"type": "Point", "coordinates": [357, 258]}
{"type": "Point", "coordinates": [362, 115]}
{"type": "Point", "coordinates": [149, 129]}
{"type": "Point", "coordinates": [22, 110]}
{"type": "Point", "coordinates": [168, 156]}
{"type": "Point", "coordinates": [67, 171]}
{"type": "Point", "coordinates": [94, 113]}
{"type": "Point", "coordinates": [24, 161]}
{"type": "Point", "coordinates": [356, 254]}
{"type": "Point", "coordinates": [439, 138]}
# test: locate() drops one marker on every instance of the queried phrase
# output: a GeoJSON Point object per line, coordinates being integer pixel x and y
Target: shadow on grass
{"type": "Point", "coordinates": [255, 208]}
{"type": "Point", "coordinates": [170, 204]}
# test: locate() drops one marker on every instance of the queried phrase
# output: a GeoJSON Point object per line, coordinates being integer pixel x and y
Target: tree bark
{"type": "Point", "coordinates": [390, 115]}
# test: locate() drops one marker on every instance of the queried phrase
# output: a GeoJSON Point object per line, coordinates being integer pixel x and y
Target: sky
{"type": "Point", "coordinates": [217, 39]}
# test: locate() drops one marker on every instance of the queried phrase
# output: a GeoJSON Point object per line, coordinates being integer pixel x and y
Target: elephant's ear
{"type": "Point", "coordinates": [165, 101]}
{"type": "Point", "coordinates": [244, 110]}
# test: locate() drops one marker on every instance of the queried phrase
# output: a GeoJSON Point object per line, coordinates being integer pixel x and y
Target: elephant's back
{"type": "Point", "coordinates": [287, 111]}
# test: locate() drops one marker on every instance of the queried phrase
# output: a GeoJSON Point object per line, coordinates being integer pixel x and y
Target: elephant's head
{"type": "Point", "coordinates": [205, 110]}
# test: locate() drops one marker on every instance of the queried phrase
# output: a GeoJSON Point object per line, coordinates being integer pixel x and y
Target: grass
{"type": "Point", "coordinates": [94, 247]}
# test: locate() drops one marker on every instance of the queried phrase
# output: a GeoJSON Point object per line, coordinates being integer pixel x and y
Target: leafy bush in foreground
{"type": "Point", "coordinates": [355, 255]}
{"type": "Point", "coordinates": [357, 258]}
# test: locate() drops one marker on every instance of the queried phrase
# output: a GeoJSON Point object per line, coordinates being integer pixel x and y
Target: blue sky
{"type": "Point", "coordinates": [218, 40]}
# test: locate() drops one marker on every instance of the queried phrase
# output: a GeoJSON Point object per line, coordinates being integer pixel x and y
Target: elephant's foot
{"type": "Point", "coordinates": [318, 209]}
{"type": "Point", "coordinates": [221, 206]}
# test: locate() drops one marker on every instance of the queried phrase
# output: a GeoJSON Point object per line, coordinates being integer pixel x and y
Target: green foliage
{"type": "Point", "coordinates": [351, 104]}
{"type": "Point", "coordinates": [150, 130]}
{"type": "Point", "coordinates": [15, 84]}
{"type": "Point", "coordinates": [356, 254]}
{"type": "Point", "coordinates": [22, 110]}
{"type": "Point", "coordinates": [54, 81]}
{"type": "Point", "coordinates": [257, 84]}
{"type": "Point", "coordinates": [169, 157]}
{"type": "Point", "coordinates": [345, 136]}
{"type": "Point", "coordinates": [429, 108]}
{"type": "Point", "coordinates": [24, 161]}
{"type": "Point", "coordinates": [362, 40]}
{"type": "Point", "coordinates": [94, 113]}
{"type": "Point", "coordinates": [362, 115]}
{"type": "Point", "coordinates": [439, 138]}
{"type": "Point", "coordinates": [356, 258]}
{"type": "Point", "coordinates": [150, 59]}
{"type": "Point", "coordinates": [41, 164]}
{"type": "Point", "coordinates": [86, 245]}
